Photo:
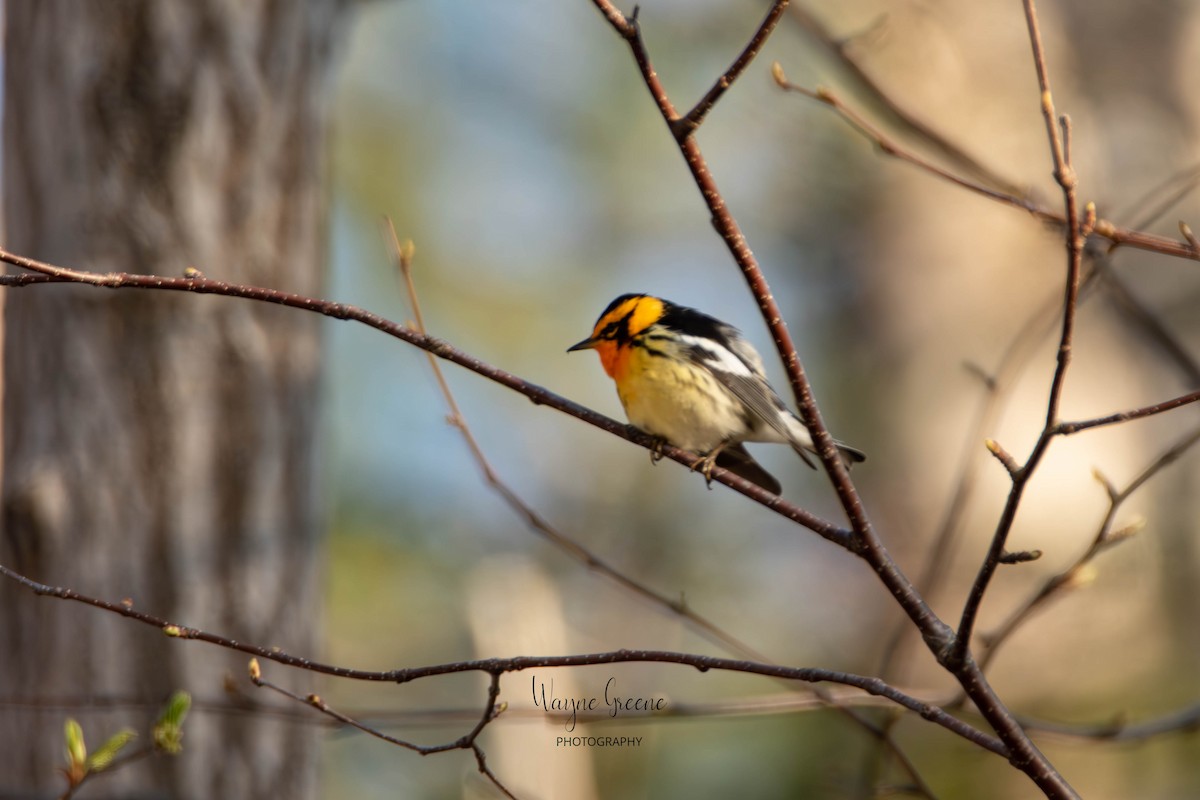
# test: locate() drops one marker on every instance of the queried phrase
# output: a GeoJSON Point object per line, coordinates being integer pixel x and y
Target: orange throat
{"type": "Point", "coordinates": [614, 358]}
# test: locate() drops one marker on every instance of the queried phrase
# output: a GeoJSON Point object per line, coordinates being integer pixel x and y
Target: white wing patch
{"type": "Point", "coordinates": [714, 356]}
{"type": "Point", "coordinates": [740, 371]}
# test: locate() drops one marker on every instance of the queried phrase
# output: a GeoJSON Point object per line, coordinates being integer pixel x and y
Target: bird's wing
{"type": "Point", "coordinates": [739, 369]}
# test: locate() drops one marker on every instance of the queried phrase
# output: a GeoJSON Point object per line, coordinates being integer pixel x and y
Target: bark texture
{"type": "Point", "coordinates": [156, 447]}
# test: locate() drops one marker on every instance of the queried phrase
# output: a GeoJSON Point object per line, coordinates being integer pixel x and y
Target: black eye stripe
{"type": "Point", "coordinates": [618, 328]}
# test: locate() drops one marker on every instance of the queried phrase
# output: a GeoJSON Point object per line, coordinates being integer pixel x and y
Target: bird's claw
{"type": "Point", "coordinates": [704, 465]}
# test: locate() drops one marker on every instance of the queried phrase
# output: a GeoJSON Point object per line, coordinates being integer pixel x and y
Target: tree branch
{"type": "Point", "coordinates": [466, 742]}
{"type": "Point", "coordinates": [1075, 574]}
{"type": "Point", "coordinates": [1120, 731]}
{"type": "Point", "coordinates": [403, 257]}
{"type": "Point", "coordinates": [866, 542]}
{"type": "Point", "coordinates": [1115, 234]}
{"type": "Point", "coordinates": [1064, 174]}
{"type": "Point", "coordinates": [938, 636]}
{"type": "Point", "coordinates": [1068, 428]}
{"type": "Point", "coordinates": [198, 284]}
{"type": "Point", "coordinates": [496, 666]}
{"type": "Point", "coordinates": [689, 122]}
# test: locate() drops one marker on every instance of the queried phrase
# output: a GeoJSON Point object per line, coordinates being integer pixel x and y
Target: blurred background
{"type": "Point", "coordinates": [516, 145]}
{"type": "Point", "coordinates": [521, 152]}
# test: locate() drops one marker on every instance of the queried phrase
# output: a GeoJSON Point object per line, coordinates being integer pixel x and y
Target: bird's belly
{"type": "Point", "coordinates": [687, 407]}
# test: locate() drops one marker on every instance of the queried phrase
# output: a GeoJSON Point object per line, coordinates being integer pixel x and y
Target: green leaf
{"type": "Point", "coordinates": [104, 756]}
{"type": "Point", "coordinates": [76, 749]}
{"type": "Point", "coordinates": [168, 731]}
{"type": "Point", "coordinates": [177, 708]}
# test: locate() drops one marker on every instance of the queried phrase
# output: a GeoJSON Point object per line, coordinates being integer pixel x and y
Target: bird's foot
{"type": "Point", "coordinates": [704, 465]}
{"type": "Point", "coordinates": [656, 452]}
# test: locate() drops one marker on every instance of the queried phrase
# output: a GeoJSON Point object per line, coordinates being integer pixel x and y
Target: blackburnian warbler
{"type": "Point", "coordinates": [696, 383]}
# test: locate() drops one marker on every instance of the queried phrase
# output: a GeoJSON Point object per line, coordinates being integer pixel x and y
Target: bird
{"type": "Point", "coordinates": [690, 380]}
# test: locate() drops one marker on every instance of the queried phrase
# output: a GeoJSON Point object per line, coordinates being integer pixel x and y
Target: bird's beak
{"type": "Point", "coordinates": [587, 344]}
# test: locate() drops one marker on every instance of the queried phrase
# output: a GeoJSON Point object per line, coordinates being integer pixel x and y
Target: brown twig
{"type": "Point", "coordinates": [1003, 456]}
{"type": "Point", "coordinates": [1119, 730]}
{"type": "Point", "coordinates": [50, 273]}
{"type": "Point", "coordinates": [1192, 241]}
{"type": "Point", "coordinates": [1180, 185]}
{"type": "Point", "coordinates": [1012, 362]}
{"type": "Point", "coordinates": [938, 636]}
{"type": "Point", "coordinates": [1028, 757]}
{"type": "Point", "coordinates": [403, 256]}
{"type": "Point", "coordinates": [890, 147]}
{"type": "Point", "coordinates": [1105, 537]}
{"type": "Point", "coordinates": [493, 666]}
{"type": "Point", "coordinates": [1064, 174]}
{"type": "Point", "coordinates": [899, 117]}
{"type": "Point", "coordinates": [467, 741]}
{"type": "Point", "coordinates": [1115, 234]}
{"type": "Point", "coordinates": [1148, 324]}
{"type": "Point", "coordinates": [1068, 428]}
{"type": "Point", "coordinates": [865, 541]}
{"type": "Point", "coordinates": [686, 125]}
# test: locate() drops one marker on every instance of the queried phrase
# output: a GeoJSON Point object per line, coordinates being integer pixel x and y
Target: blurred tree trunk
{"type": "Point", "coordinates": [161, 447]}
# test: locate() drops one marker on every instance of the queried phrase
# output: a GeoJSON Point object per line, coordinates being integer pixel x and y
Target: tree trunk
{"type": "Point", "coordinates": [161, 447]}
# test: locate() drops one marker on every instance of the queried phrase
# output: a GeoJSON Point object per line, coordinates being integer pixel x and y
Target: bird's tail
{"type": "Point", "coordinates": [850, 455]}
{"type": "Point", "coordinates": [738, 460]}
{"type": "Point", "coordinates": [802, 442]}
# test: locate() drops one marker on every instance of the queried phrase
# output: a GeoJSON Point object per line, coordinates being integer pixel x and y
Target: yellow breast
{"type": "Point", "coordinates": [677, 400]}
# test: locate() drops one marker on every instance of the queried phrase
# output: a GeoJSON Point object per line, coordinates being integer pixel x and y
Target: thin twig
{"type": "Point", "coordinates": [1105, 537]}
{"type": "Point", "coordinates": [1192, 241]}
{"type": "Point", "coordinates": [1180, 184]}
{"type": "Point", "coordinates": [865, 542]}
{"type": "Point", "coordinates": [686, 125]}
{"type": "Point", "coordinates": [1115, 234]}
{"type": "Point", "coordinates": [117, 763]}
{"type": "Point", "coordinates": [899, 117]}
{"type": "Point", "coordinates": [938, 636]}
{"type": "Point", "coordinates": [465, 742]}
{"type": "Point", "coordinates": [1119, 730]}
{"type": "Point", "coordinates": [50, 273]}
{"type": "Point", "coordinates": [1012, 363]}
{"type": "Point", "coordinates": [1002, 455]}
{"type": "Point", "coordinates": [1068, 428]}
{"type": "Point", "coordinates": [1064, 174]}
{"type": "Point", "coordinates": [403, 255]}
{"type": "Point", "coordinates": [492, 666]}
{"type": "Point", "coordinates": [1033, 762]}
{"type": "Point", "coordinates": [1148, 324]}
{"type": "Point", "coordinates": [890, 147]}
